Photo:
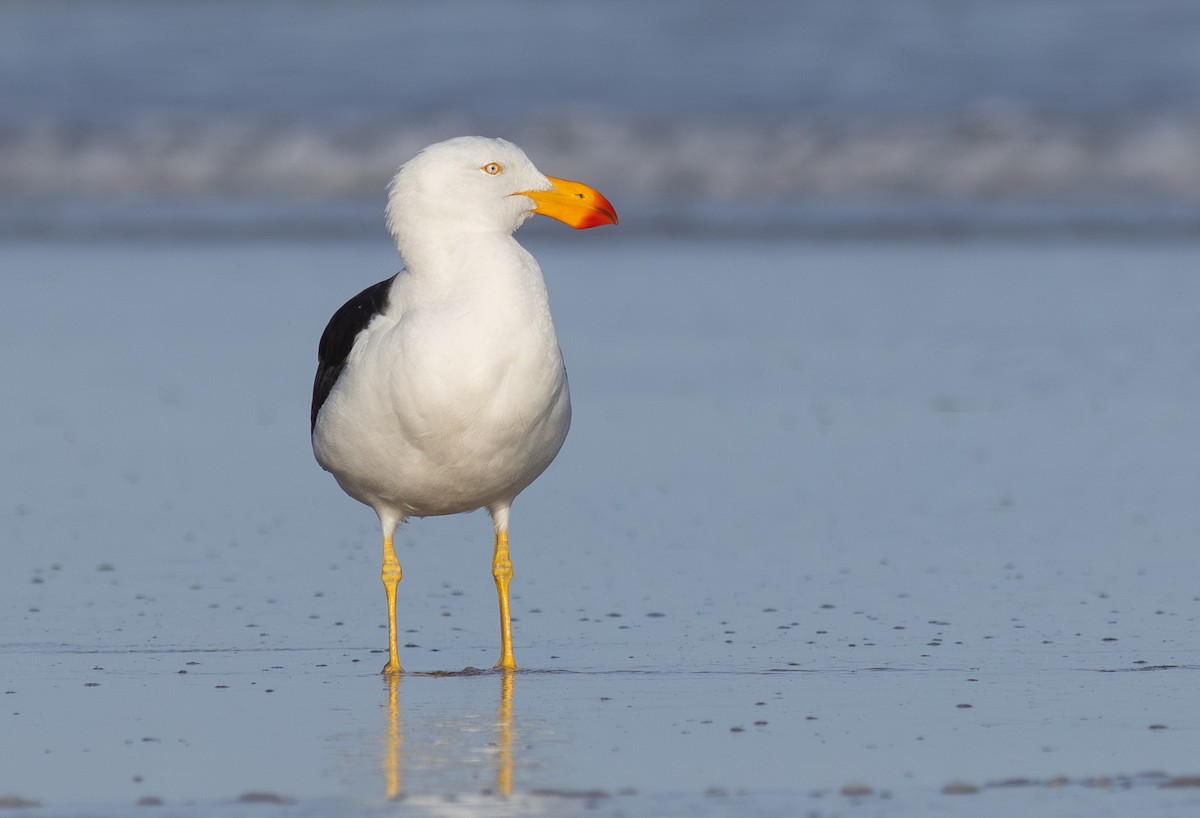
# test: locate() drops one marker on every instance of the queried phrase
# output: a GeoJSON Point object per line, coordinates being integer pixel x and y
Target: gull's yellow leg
{"type": "Point", "coordinates": [391, 575]}
{"type": "Point", "coordinates": [502, 571]}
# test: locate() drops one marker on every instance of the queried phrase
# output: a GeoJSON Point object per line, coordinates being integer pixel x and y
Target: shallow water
{"type": "Point", "coordinates": [839, 527]}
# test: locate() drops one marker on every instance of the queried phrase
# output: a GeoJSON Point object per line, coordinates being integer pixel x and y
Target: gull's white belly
{"type": "Point", "coordinates": [439, 419]}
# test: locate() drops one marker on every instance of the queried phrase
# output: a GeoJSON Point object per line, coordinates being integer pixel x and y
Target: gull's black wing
{"type": "Point", "coordinates": [338, 339]}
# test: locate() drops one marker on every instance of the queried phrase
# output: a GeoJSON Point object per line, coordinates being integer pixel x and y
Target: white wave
{"type": "Point", "coordinates": [990, 153]}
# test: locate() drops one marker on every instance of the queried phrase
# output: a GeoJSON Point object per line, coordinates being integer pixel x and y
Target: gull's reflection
{"type": "Point", "coordinates": [504, 734]}
{"type": "Point", "coordinates": [393, 755]}
{"type": "Point", "coordinates": [393, 762]}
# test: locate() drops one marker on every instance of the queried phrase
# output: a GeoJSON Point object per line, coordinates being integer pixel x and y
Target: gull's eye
{"type": "Point", "coordinates": [492, 168]}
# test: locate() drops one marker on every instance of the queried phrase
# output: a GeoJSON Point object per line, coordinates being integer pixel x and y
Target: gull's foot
{"type": "Point", "coordinates": [392, 669]}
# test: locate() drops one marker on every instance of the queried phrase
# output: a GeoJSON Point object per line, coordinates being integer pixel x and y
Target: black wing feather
{"type": "Point", "coordinates": [338, 339]}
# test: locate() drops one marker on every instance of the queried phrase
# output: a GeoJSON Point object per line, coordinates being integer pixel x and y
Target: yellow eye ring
{"type": "Point", "coordinates": [492, 168]}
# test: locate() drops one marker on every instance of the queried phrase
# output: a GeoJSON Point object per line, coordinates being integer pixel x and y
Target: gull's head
{"type": "Point", "coordinates": [477, 184]}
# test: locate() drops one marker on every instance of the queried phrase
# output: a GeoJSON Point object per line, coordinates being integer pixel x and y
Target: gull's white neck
{"type": "Point", "coordinates": [485, 268]}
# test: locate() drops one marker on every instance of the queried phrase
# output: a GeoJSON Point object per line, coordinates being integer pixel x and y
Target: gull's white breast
{"type": "Point", "coordinates": [456, 398]}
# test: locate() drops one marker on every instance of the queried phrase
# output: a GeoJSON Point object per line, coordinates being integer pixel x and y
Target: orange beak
{"type": "Point", "coordinates": [572, 203]}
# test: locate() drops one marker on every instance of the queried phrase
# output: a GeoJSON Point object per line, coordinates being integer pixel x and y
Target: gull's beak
{"type": "Point", "coordinates": [572, 203]}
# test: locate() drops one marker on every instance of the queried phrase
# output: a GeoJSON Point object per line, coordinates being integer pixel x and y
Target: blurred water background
{"type": "Point", "coordinates": [822, 117]}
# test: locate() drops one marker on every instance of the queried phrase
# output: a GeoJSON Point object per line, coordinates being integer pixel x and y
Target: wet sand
{"type": "Point", "coordinates": [868, 529]}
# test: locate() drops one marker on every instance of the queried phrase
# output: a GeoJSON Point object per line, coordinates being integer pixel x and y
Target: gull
{"type": "Point", "coordinates": [442, 389]}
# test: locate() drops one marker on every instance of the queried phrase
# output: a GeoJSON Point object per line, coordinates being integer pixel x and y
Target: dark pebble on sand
{"type": "Point", "coordinates": [16, 802]}
{"type": "Point", "coordinates": [1182, 781]}
{"type": "Point", "coordinates": [264, 798]}
{"type": "Point", "coordinates": [960, 788]}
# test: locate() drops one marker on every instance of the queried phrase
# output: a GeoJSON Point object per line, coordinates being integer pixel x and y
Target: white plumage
{"type": "Point", "coordinates": [443, 390]}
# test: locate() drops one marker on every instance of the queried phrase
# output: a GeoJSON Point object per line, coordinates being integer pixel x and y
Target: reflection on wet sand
{"type": "Point", "coordinates": [393, 765]}
{"type": "Point", "coordinates": [393, 756]}
{"type": "Point", "coordinates": [504, 735]}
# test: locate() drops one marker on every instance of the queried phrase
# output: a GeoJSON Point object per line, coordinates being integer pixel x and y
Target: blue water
{"type": "Point", "coordinates": [883, 514]}
{"type": "Point", "coordinates": [910, 114]}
